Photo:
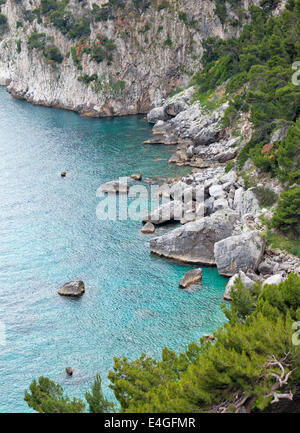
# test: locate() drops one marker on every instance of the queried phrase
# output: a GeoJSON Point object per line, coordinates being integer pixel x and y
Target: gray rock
{"type": "Point", "coordinates": [194, 242]}
{"type": "Point", "coordinates": [227, 155]}
{"type": "Point", "coordinates": [157, 114]}
{"type": "Point", "coordinates": [249, 203]}
{"type": "Point", "coordinates": [207, 136]}
{"type": "Point", "coordinates": [246, 281]}
{"type": "Point", "coordinates": [192, 277]}
{"type": "Point", "coordinates": [115, 186]}
{"type": "Point", "coordinates": [148, 228]}
{"type": "Point", "coordinates": [209, 205]}
{"type": "Point", "coordinates": [189, 216]}
{"type": "Point", "coordinates": [230, 284]}
{"type": "Point", "coordinates": [173, 210]}
{"type": "Point", "coordinates": [274, 279]}
{"type": "Point", "coordinates": [265, 268]}
{"type": "Point", "coordinates": [239, 252]}
{"type": "Point", "coordinates": [72, 288]}
{"type": "Point", "coordinates": [220, 204]}
{"type": "Point", "coordinates": [237, 202]}
{"type": "Point", "coordinates": [279, 134]}
{"type": "Point", "coordinates": [216, 191]}
{"type": "Point", "coordinates": [190, 152]}
{"type": "Point", "coordinates": [175, 108]}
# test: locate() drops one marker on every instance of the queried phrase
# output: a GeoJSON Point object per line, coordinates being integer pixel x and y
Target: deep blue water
{"type": "Point", "coordinates": [50, 234]}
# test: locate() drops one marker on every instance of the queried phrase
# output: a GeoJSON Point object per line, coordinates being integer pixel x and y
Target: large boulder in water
{"type": "Point", "coordinates": [72, 288]}
{"type": "Point", "coordinates": [115, 186]}
{"type": "Point", "coordinates": [194, 242]}
{"type": "Point", "coordinates": [148, 228]}
{"type": "Point", "coordinates": [191, 277]}
{"type": "Point", "coordinates": [240, 252]}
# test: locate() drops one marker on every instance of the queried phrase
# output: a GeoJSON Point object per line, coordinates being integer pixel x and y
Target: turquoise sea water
{"type": "Point", "coordinates": [50, 234]}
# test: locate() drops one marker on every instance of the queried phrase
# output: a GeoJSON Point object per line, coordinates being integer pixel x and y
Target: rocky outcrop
{"type": "Point", "coordinates": [194, 241]}
{"type": "Point", "coordinates": [72, 288]}
{"type": "Point", "coordinates": [192, 277]}
{"type": "Point", "coordinates": [278, 262]}
{"type": "Point", "coordinates": [239, 252]}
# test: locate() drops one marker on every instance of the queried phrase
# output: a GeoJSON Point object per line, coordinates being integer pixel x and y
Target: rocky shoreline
{"type": "Point", "coordinates": [230, 232]}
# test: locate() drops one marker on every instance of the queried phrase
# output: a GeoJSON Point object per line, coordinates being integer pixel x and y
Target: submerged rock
{"type": "Point", "coordinates": [72, 288]}
{"type": "Point", "coordinates": [192, 277]}
{"type": "Point", "coordinates": [239, 252]}
{"type": "Point", "coordinates": [194, 242]}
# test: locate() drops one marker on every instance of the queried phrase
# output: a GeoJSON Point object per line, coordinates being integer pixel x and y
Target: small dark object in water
{"type": "Point", "coordinates": [69, 371]}
{"type": "Point", "coordinates": [63, 174]}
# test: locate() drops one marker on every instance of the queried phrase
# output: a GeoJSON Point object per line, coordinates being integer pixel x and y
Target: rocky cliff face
{"type": "Point", "coordinates": [147, 50]}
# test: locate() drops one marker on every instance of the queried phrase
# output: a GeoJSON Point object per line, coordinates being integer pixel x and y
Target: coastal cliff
{"type": "Point", "coordinates": [107, 58]}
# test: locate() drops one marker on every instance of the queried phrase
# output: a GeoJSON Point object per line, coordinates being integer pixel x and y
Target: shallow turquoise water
{"type": "Point", "coordinates": [50, 234]}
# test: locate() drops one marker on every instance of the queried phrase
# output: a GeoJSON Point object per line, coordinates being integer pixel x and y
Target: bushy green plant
{"type": "Point", "coordinates": [45, 396]}
{"type": "Point", "coordinates": [287, 214]}
{"type": "Point", "coordinates": [80, 28]}
{"type": "Point", "coordinates": [3, 24]}
{"type": "Point", "coordinates": [96, 400]}
{"type": "Point", "coordinates": [53, 53]}
{"type": "Point", "coordinates": [103, 49]}
{"type": "Point", "coordinates": [87, 79]}
{"type": "Point", "coordinates": [266, 196]}
{"type": "Point", "coordinates": [36, 40]}
{"type": "Point", "coordinates": [19, 46]}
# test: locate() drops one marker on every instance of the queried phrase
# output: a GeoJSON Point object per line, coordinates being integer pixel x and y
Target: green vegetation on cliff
{"type": "Point", "coordinates": [44, 43]}
{"type": "Point", "coordinates": [3, 24]}
{"type": "Point", "coordinates": [258, 69]}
